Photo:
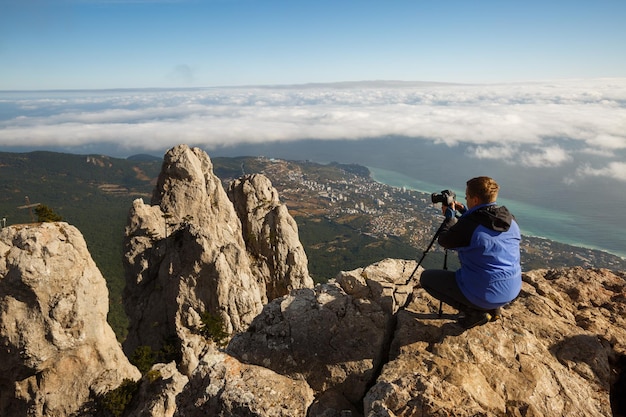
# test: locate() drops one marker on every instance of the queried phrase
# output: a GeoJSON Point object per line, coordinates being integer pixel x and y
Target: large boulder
{"type": "Point", "coordinates": [56, 347]}
{"type": "Point", "coordinates": [335, 336]}
{"type": "Point", "coordinates": [221, 386]}
{"type": "Point", "coordinates": [157, 392]}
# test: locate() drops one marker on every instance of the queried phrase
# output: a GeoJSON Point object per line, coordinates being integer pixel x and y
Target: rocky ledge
{"type": "Point", "coordinates": [344, 348]}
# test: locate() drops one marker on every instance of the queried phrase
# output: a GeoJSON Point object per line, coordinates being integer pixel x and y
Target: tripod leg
{"type": "Point", "coordinates": [432, 241]}
{"type": "Point", "coordinates": [445, 267]}
{"type": "Point", "coordinates": [430, 245]}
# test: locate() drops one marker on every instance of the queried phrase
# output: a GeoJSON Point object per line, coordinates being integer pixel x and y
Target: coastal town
{"type": "Point", "coordinates": [347, 195]}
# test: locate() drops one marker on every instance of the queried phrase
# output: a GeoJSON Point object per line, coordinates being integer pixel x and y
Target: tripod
{"type": "Point", "coordinates": [445, 266]}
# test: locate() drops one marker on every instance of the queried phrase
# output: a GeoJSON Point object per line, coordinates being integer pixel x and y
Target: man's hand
{"type": "Point", "coordinates": [449, 211]}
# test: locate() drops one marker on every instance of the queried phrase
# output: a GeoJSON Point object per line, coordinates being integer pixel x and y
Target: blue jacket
{"type": "Point", "coordinates": [487, 240]}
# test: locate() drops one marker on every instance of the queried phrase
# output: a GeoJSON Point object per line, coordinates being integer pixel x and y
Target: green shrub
{"type": "Point", "coordinates": [170, 351]}
{"type": "Point", "coordinates": [116, 401]}
{"type": "Point", "coordinates": [143, 358]}
{"type": "Point", "coordinates": [213, 328]}
{"type": "Point", "coordinates": [46, 214]}
{"type": "Point", "coordinates": [153, 376]}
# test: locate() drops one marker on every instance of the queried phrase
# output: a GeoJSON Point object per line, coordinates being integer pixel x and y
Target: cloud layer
{"type": "Point", "coordinates": [528, 124]}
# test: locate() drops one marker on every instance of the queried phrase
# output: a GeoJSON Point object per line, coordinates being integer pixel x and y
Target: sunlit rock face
{"type": "Point", "coordinates": [271, 235]}
{"type": "Point", "coordinates": [555, 353]}
{"type": "Point", "coordinates": [56, 345]}
{"type": "Point", "coordinates": [185, 255]}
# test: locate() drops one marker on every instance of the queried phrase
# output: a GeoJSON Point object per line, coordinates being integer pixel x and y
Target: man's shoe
{"type": "Point", "coordinates": [496, 314]}
{"type": "Point", "coordinates": [473, 318]}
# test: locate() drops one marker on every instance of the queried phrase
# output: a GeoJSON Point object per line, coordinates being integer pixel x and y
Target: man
{"type": "Point", "coordinates": [487, 238]}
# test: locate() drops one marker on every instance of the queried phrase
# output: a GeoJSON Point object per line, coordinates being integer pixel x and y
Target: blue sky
{"type": "Point", "coordinates": [93, 44]}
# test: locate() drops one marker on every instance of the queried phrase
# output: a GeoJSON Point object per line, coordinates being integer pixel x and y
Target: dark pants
{"type": "Point", "coordinates": [441, 284]}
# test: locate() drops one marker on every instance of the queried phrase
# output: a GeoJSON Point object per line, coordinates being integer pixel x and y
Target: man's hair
{"type": "Point", "coordinates": [485, 188]}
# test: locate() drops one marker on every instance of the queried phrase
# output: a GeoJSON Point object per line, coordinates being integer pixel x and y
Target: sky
{"type": "Point", "coordinates": [104, 44]}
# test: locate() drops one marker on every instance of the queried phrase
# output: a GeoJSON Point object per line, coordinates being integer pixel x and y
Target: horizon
{"type": "Point", "coordinates": [345, 84]}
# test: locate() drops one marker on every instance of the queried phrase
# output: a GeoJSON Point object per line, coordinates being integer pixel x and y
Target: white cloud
{"type": "Point", "coordinates": [606, 153]}
{"type": "Point", "coordinates": [613, 170]}
{"type": "Point", "coordinates": [533, 156]}
{"type": "Point", "coordinates": [501, 152]}
{"type": "Point", "coordinates": [504, 121]}
{"type": "Point", "coordinates": [551, 156]}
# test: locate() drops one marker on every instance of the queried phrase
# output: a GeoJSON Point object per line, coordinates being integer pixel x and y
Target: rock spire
{"type": "Point", "coordinates": [186, 256]}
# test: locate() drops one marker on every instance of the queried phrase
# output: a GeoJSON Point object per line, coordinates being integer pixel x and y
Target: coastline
{"type": "Point", "coordinates": [538, 222]}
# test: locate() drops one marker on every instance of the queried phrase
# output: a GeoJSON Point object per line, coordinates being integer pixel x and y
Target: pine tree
{"type": "Point", "coordinates": [46, 214]}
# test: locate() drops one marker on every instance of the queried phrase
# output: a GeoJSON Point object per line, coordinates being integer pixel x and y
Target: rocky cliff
{"type": "Point", "coordinates": [56, 347]}
{"type": "Point", "coordinates": [271, 236]}
{"type": "Point", "coordinates": [188, 255]}
{"type": "Point", "coordinates": [337, 349]}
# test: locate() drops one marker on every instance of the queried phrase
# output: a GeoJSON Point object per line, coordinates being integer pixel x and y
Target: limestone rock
{"type": "Point", "coordinates": [388, 283]}
{"type": "Point", "coordinates": [557, 351]}
{"type": "Point", "coordinates": [271, 236]}
{"type": "Point", "coordinates": [221, 386]}
{"type": "Point", "coordinates": [553, 354]}
{"type": "Point", "coordinates": [332, 339]}
{"type": "Point", "coordinates": [185, 256]}
{"type": "Point", "coordinates": [56, 345]}
{"type": "Point", "coordinates": [158, 391]}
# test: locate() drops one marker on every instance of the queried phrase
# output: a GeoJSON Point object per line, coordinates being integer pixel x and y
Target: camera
{"type": "Point", "coordinates": [446, 197]}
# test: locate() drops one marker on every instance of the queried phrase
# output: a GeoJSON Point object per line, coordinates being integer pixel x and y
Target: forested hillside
{"type": "Point", "coordinates": [92, 193]}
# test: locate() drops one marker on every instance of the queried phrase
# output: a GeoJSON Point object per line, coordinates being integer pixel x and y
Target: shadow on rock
{"type": "Point", "coordinates": [332, 340]}
{"type": "Point", "coordinates": [422, 331]}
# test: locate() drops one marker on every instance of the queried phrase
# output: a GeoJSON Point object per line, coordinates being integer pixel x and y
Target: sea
{"type": "Point", "coordinates": [586, 212]}
{"type": "Point", "coordinates": [536, 221]}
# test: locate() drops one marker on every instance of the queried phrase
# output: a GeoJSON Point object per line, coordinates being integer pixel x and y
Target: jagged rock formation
{"type": "Point", "coordinates": [555, 353]}
{"type": "Point", "coordinates": [56, 345]}
{"type": "Point", "coordinates": [271, 236]}
{"type": "Point", "coordinates": [334, 336]}
{"type": "Point", "coordinates": [185, 255]}
{"type": "Point", "coordinates": [337, 349]}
